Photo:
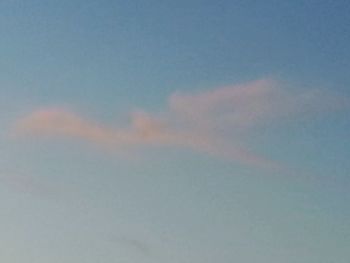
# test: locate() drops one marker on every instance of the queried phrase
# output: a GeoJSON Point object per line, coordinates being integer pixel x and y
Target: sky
{"type": "Point", "coordinates": [174, 131]}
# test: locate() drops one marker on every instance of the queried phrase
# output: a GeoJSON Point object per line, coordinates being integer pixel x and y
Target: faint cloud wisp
{"type": "Point", "coordinates": [213, 122]}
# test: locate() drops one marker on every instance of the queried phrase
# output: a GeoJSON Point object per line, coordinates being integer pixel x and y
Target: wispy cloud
{"type": "Point", "coordinates": [135, 245]}
{"type": "Point", "coordinates": [200, 121]}
{"type": "Point", "coordinates": [27, 184]}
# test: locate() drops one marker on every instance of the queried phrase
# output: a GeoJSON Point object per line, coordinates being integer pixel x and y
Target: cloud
{"type": "Point", "coordinates": [144, 129]}
{"type": "Point", "coordinates": [200, 121]}
{"type": "Point", "coordinates": [27, 184]}
{"type": "Point", "coordinates": [247, 105]}
{"type": "Point", "coordinates": [135, 246]}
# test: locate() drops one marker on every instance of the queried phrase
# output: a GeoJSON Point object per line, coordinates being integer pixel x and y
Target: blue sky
{"type": "Point", "coordinates": [174, 131]}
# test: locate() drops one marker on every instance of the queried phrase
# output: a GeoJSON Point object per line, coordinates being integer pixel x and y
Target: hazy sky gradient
{"type": "Point", "coordinates": [174, 131]}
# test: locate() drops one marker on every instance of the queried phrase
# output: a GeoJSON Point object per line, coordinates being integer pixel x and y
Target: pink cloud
{"type": "Point", "coordinates": [240, 107]}
{"type": "Point", "coordinates": [197, 121]}
{"type": "Point", "coordinates": [60, 122]}
{"type": "Point", "coordinates": [143, 130]}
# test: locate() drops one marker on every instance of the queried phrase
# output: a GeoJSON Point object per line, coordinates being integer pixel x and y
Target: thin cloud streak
{"type": "Point", "coordinates": [196, 121]}
{"type": "Point", "coordinates": [28, 185]}
{"type": "Point", "coordinates": [143, 130]}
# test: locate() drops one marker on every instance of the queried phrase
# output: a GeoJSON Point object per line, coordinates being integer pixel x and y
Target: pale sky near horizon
{"type": "Point", "coordinates": [174, 131]}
